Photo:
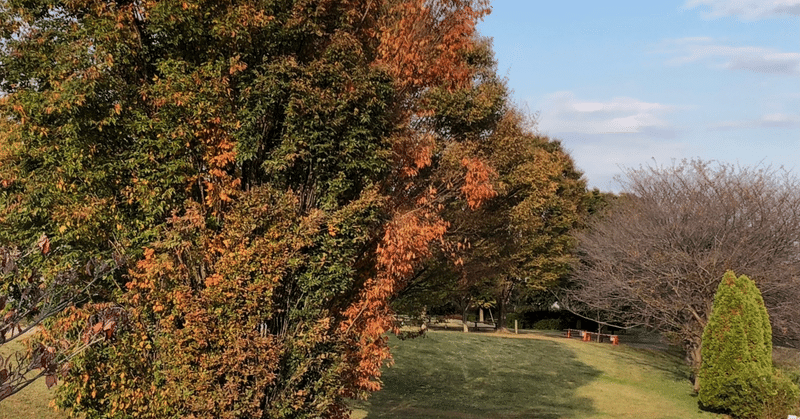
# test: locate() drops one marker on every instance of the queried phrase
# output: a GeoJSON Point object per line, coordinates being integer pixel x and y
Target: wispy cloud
{"type": "Point", "coordinates": [602, 157]}
{"type": "Point", "coordinates": [747, 9]}
{"type": "Point", "coordinates": [755, 59]}
{"type": "Point", "coordinates": [605, 135]}
{"type": "Point", "coordinates": [775, 120]}
{"type": "Point", "coordinates": [563, 112]}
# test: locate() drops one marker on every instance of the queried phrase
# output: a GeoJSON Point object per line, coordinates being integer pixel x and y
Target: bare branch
{"type": "Point", "coordinates": [656, 256]}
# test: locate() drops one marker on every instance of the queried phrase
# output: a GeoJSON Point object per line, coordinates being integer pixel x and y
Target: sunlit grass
{"type": "Point", "coordinates": [33, 401]}
{"type": "Point", "coordinates": [457, 375]}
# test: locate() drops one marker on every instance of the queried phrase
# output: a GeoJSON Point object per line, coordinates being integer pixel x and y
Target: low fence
{"type": "Point", "coordinates": [587, 336]}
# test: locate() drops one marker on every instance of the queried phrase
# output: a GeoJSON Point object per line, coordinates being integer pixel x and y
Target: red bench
{"type": "Point", "coordinates": [587, 336]}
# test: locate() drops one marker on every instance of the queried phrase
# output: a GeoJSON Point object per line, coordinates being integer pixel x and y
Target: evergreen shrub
{"type": "Point", "coordinates": [736, 374]}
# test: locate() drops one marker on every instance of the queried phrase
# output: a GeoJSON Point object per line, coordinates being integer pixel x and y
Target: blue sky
{"type": "Point", "coordinates": [622, 83]}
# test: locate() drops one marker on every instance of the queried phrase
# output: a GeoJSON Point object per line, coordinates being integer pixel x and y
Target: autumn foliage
{"type": "Point", "coordinates": [255, 178]}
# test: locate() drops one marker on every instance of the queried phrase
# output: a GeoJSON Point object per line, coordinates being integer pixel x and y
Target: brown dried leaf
{"type": "Point", "coordinates": [109, 328]}
{"type": "Point", "coordinates": [43, 244]}
{"type": "Point", "coordinates": [50, 380]}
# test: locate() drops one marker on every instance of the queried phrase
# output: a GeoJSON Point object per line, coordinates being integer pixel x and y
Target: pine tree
{"type": "Point", "coordinates": [736, 373]}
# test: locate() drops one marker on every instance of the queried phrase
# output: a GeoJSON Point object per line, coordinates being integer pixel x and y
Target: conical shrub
{"type": "Point", "coordinates": [736, 373]}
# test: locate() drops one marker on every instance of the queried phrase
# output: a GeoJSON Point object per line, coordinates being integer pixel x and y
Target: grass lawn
{"type": "Point", "coordinates": [33, 401]}
{"type": "Point", "coordinates": [458, 375]}
{"type": "Point", "coordinates": [485, 375]}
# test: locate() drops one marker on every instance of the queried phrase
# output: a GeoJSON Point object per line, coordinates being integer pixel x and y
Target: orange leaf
{"type": "Point", "coordinates": [43, 244]}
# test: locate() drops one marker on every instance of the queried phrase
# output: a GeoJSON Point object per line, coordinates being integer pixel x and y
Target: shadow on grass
{"type": "Point", "coordinates": [458, 375]}
{"type": "Point", "coordinates": [670, 361]}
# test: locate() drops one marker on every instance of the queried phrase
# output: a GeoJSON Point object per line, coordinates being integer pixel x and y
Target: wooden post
{"type": "Point", "coordinates": [515, 327]}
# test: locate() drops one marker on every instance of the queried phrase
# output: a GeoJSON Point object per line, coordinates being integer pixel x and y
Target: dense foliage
{"type": "Point", "coordinates": [517, 242]}
{"type": "Point", "coordinates": [736, 374]}
{"type": "Point", "coordinates": [233, 189]}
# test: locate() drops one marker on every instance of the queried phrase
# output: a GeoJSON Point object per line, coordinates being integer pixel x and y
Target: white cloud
{"type": "Point", "coordinates": [747, 9]}
{"type": "Point", "coordinates": [774, 120]}
{"type": "Point", "coordinates": [562, 112]}
{"type": "Point", "coordinates": [755, 59]}
{"type": "Point", "coordinates": [603, 136]}
{"type": "Point", "coordinates": [602, 157]}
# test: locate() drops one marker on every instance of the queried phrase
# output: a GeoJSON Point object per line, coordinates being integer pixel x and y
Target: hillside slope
{"type": "Point", "coordinates": [477, 375]}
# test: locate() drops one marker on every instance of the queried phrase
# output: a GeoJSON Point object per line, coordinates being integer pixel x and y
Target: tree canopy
{"type": "Point", "coordinates": [230, 191]}
{"type": "Point", "coordinates": [519, 240]}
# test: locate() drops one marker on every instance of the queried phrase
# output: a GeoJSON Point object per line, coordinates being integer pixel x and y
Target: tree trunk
{"type": "Point", "coordinates": [500, 326]}
{"type": "Point", "coordinates": [502, 302]}
{"type": "Point", "coordinates": [694, 355]}
{"type": "Point", "coordinates": [464, 319]}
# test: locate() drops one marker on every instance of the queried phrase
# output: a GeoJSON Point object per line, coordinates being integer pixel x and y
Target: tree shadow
{"type": "Point", "coordinates": [669, 361]}
{"type": "Point", "coordinates": [458, 375]}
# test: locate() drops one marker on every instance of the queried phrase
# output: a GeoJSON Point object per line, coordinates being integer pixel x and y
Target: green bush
{"type": "Point", "coordinates": [510, 317]}
{"type": "Point", "coordinates": [793, 374]}
{"type": "Point", "coordinates": [548, 324]}
{"type": "Point", "coordinates": [736, 374]}
{"type": "Point", "coordinates": [769, 396]}
{"type": "Point", "coordinates": [784, 397]}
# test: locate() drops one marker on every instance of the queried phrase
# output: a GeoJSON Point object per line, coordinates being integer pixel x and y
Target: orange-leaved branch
{"type": "Point", "coordinates": [477, 186]}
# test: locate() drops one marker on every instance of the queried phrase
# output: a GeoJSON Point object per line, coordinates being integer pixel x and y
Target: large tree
{"type": "Point", "coordinates": [521, 238]}
{"type": "Point", "coordinates": [233, 191]}
{"type": "Point", "coordinates": [517, 242]}
{"type": "Point", "coordinates": [656, 255]}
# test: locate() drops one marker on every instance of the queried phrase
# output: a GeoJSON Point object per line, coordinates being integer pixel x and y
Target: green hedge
{"type": "Point", "coordinates": [548, 324]}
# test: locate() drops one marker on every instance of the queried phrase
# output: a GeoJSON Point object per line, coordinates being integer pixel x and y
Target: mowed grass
{"type": "Point", "coordinates": [33, 401]}
{"type": "Point", "coordinates": [483, 375]}
{"type": "Point", "coordinates": [458, 375]}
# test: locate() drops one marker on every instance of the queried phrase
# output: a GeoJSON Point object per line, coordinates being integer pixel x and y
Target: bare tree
{"type": "Point", "coordinates": [656, 256]}
{"type": "Point", "coordinates": [27, 298]}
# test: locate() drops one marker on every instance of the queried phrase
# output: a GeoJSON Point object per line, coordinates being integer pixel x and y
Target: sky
{"type": "Point", "coordinates": [625, 84]}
